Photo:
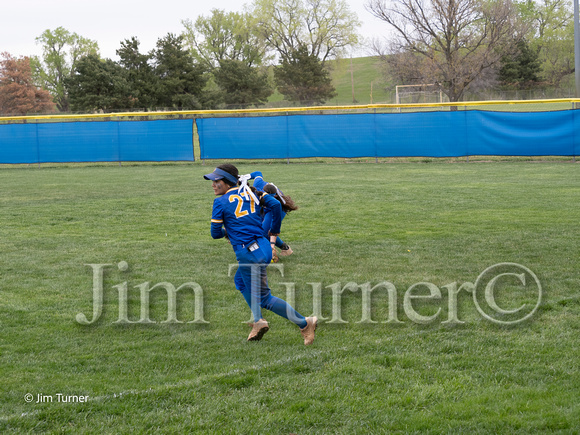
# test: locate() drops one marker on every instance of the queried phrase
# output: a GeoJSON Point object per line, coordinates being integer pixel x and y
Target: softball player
{"type": "Point", "coordinates": [236, 215]}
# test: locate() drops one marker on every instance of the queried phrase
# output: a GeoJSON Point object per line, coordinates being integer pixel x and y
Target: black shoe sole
{"type": "Point", "coordinates": [260, 334]}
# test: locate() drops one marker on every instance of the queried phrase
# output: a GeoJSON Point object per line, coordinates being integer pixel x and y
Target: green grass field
{"type": "Point", "coordinates": [405, 223]}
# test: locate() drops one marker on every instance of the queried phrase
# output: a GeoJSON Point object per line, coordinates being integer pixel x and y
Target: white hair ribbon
{"type": "Point", "coordinates": [245, 190]}
{"type": "Point", "coordinates": [279, 193]}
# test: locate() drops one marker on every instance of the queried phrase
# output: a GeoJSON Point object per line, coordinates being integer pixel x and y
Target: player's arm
{"type": "Point", "coordinates": [273, 205]}
{"type": "Point", "coordinates": [259, 182]}
{"type": "Point", "coordinates": [217, 221]}
{"type": "Point", "coordinates": [217, 230]}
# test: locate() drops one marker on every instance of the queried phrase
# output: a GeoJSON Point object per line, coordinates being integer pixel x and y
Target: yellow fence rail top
{"type": "Point", "coordinates": [283, 110]}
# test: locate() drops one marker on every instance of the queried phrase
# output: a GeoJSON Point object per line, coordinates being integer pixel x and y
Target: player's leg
{"type": "Point", "coordinates": [245, 282]}
{"type": "Point", "coordinates": [245, 290]}
{"type": "Point", "coordinates": [276, 305]}
{"type": "Point", "coordinates": [267, 300]}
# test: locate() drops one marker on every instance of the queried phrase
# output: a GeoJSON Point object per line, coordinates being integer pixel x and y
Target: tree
{"type": "Point", "coordinates": [242, 85]}
{"type": "Point", "coordinates": [140, 74]}
{"type": "Point", "coordinates": [522, 69]}
{"type": "Point", "coordinates": [224, 36]}
{"type": "Point", "coordinates": [301, 77]}
{"type": "Point", "coordinates": [18, 93]}
{"type": "Point", "coordinates": [326, 27]}
{"type": "Point", "coordinates": [181, 82]}
{"type": "Point", "coordinates": [556, 54]}
{"type": "Point", "coordinates": [551, 35]}
{"type": "Point", "coordinates": [61, 51]}
{"type": "Point", "coordinates": [456, 40]}
{"type": "Point", "coordinates": [97, 84]}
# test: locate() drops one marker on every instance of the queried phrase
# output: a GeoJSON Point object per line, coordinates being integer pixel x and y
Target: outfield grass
{"type": "Point", "coordinates": [405, 223]}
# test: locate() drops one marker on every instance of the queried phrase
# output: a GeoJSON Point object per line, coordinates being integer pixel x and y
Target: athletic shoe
{"type": "Point", "coordinates": [285, 250]}
{"type": "Point", "coordinates": [259, 328]}
{"type": "Point", "coordinates": [308, 331]}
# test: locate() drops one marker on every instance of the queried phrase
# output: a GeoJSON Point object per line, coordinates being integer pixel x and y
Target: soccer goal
{"type": "Point", "coordinates": [414, 94]}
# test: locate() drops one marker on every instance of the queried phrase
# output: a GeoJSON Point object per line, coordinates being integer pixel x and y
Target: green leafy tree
{"type": "Point", "coordinates": [551, 34]}
{"type": "Point", "coordinates": [140, 74]}
{"type": "Point", "coordinates": [242, 85]}
{"type": "Point", "coordinates": [328, 28]}
{"type": "Point", "coordinates": [97, 84]}
{"type": "Point", "coordinates": [522, 69]}
{"type": "Point", "coordinates": [61, 51]}
{"type": "Point", "coordinates": [18, 93]}
{"type": "Point", "coordinates": [301, 77]}
{"type": "Point", "coordinates": [224, 36]}
{"type": "Point", "coordinates": [557, 55]}
{"type": "Point", "coordinates": [181, 81]}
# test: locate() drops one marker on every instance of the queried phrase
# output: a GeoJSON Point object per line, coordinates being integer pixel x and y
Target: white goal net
{"type": "Point", "coordinates": [415, 94]}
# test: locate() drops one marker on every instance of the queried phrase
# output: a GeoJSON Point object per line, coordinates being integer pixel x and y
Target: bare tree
{"type": "Point", "coordinates": [455, 40]}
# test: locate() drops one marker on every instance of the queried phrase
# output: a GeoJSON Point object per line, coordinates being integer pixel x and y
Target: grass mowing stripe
{"type": "Point", "coordinates": [181, 384]}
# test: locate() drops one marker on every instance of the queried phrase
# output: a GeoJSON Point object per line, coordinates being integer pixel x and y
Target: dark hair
{"type": "Point", "coordinates": [288, 204]}
{"type": "Point", "coordinates": [230, 169]}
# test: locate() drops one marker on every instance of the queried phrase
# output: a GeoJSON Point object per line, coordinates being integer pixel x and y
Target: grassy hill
{"type": "Point", "coordinates": [361, 76]}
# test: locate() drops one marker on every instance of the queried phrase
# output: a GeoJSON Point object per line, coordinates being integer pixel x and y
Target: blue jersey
{"type": "Point", "coordinates": [241, 217]}
{"type": "Point", "coordinates": [259, 184]}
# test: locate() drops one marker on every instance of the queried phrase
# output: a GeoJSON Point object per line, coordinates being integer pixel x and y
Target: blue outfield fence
{"type": "Point", "coordinates": [104, 141]}
{"type": "Point", "coordinates": [423, 134]}
{"type": "Point", "coordinates": [418, 134]}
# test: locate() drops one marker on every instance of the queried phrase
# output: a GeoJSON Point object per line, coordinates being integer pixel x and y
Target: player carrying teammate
{"type": "Point", "coordinates": [236, 215]}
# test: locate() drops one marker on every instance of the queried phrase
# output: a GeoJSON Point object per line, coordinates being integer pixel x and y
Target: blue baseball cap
{"type": "Point", "coordinates": [219, 174]}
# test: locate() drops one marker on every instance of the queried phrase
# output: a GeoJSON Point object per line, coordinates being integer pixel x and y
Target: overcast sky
{"type": "Point", "coordinates": [111, 21]}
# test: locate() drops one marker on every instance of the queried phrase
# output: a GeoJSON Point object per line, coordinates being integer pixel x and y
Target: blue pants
{"type": "Point", "coordinates": [251, 280]}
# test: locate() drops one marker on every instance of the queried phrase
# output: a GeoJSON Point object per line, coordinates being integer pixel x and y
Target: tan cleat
{"type": "Point", "coordinates": [286, 252]}
{"type": "Point", "coordinates": [308, 331]}
{"type": "Point", "coordinates": [259, 328]}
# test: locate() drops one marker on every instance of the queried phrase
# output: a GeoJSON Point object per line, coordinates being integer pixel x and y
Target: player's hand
{"type": "Point", "coordinates": [274, 254]}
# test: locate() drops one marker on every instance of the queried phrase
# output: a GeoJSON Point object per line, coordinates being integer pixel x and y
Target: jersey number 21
{"type": "Point", "coordinates": [239, 212]}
